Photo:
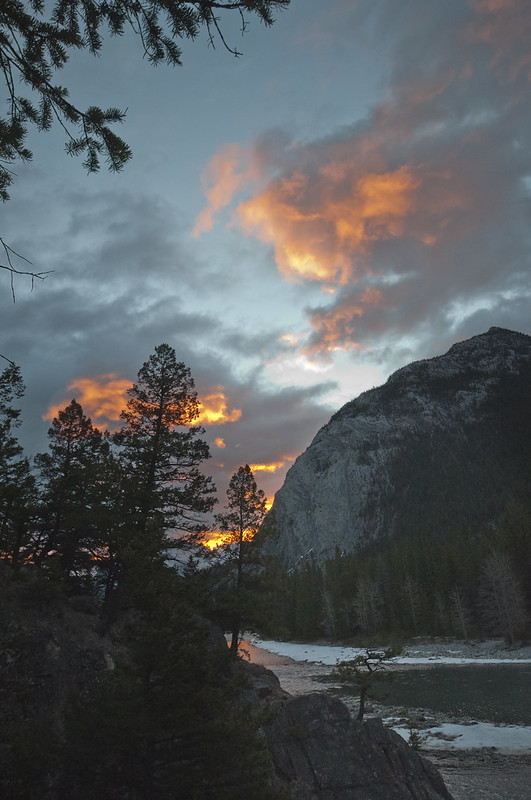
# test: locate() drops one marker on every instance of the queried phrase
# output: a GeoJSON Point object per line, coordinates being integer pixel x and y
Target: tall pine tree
{"type": "Point", "coordinates": [165, 491]}
{"type": "Point", "coordinates": [73, 492]}
{"type": "Point", "coordinates": [246, 508]}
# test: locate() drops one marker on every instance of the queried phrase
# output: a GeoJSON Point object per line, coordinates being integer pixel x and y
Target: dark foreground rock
{"type": "Point", "coordinates": [55, 657]}
{"type": "Point", "coordinates": [320, 752]}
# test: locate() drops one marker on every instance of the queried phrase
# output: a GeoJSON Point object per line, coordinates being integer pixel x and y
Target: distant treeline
{"type": "Point", "coordinates": [470, 584]}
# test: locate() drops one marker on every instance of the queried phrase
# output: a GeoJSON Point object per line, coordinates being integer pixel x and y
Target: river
{"type": "Point", "coordinates": [488, 693]}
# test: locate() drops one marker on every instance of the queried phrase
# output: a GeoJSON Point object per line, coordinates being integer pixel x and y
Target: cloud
{"type": "Point", "coordinates": [102, 399]}
{"type": "Point", "coordinates": [247, 435]}
{"type": "Point", "coordinates": [322, 225]}
{"type": "Point", "coordinates": [226, 173]}
{"type": "Point", "coordinates": [213, 409]}
{"type": "Point", "coordinates": [271, 467]}
{"type": "Point", "coordinates": [275, 426]}
{"type": "Point", "coordinates": [505, 26]}
{"type": "Point", "coordinates": [423, 205]}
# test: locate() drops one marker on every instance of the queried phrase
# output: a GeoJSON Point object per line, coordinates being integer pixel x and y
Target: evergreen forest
{"type": "Point", "coordinates": [115, 675]}
{"type": "Point", "coordinates": [470, 585]}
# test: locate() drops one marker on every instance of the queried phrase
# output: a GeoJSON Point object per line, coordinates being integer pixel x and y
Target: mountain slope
{"type": "Point", "coordinates": [444, 444]}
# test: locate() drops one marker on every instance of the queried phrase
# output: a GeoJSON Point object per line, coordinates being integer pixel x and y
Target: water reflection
{"type": "Point", "coordinates": [487, 693]}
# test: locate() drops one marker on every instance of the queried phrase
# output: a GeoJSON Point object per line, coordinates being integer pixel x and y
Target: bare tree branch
{"type": "Point", "coordinates": [9, 267]}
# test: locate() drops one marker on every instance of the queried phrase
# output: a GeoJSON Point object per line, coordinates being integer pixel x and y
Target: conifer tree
{"type": "Point", "coordinates": [246, 509]}
{"type": "Point", "coordinates": [161, 453]}
{"type": "Point", "coordinates": [168, 723]}
{"type": "Point", "coordinates": [17, 485]}
{"type": "Point", "coordinates": [73, 491]}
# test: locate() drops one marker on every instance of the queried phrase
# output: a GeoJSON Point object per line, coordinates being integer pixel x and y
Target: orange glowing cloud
{"type": "Point", "coordinates": [218, 539]}
{"type": "Point", "coordinates": [335, 329]}
{"type": "Point", "coordinates": [219, 443]}
{"type": "Point", "coordinates": [213, 410]}
{"type": "Point", "coordinates": [102, 398]}
{"type": "Point", "coordinates": [271, 467]}
{"type": "Point", "coordinates": [215, 540]}
{"type": "Point", "coordinates": [227, 172]}
{"type": "Point", "coordinates": [319, 225]}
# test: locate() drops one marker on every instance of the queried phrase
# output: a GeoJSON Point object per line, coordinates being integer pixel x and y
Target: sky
{"type": "Point", "coordinates": [351, 194]}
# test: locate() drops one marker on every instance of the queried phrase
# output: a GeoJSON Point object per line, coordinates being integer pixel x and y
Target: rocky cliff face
{"type": "Point", "coordinates": [445, 442]}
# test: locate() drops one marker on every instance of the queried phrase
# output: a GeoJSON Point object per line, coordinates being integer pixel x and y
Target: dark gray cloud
{"type": "Point", "coordinates": [409, 206]}
{"type": "Point", "coordinates": [418, 216]}
{"type": "Point", "coordinates": [126, 279]}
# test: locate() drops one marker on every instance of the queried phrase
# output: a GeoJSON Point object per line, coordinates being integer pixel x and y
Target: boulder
{"type": "Point", "coordinates": [320, 752]}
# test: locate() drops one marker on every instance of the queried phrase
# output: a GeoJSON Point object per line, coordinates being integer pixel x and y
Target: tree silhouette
{"type": "Point", "coordinates": [17, 485]}
{"type": "Point", "coordinates": [246, 509]}
{"type": "Point", "coordinates": [161, 452]}
{"type": "Point", "coordinates": [502, 597]}
{"type": "Point", "coordinates": [73, 492]}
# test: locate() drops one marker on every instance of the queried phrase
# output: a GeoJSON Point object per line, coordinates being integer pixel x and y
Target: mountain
{"type": "Point", "coordinates": [444, 444]}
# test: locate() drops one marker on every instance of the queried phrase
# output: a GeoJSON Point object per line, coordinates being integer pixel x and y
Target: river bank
{"type": "Point", "coordinates": [478, 761]}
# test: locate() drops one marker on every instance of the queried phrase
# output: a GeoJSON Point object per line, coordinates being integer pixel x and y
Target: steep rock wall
{"type": "Point", "coordinates": [444, 442]}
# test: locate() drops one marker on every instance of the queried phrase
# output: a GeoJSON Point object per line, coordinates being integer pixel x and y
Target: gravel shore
{"type": "Point", "coordinates": [476, 774]}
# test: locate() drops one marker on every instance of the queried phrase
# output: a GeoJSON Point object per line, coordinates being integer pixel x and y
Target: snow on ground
{"type": "Point", "coordinates": [314, 653]}
{"type": "Point", "coordinates": [422, 654]}
{"type": "Point", "coordinates": [447, 736]}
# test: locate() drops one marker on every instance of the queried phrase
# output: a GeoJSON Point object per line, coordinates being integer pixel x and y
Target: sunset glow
{"type": "Point", "coordinates": [270, 467]}
{"type": "Point", "coordinates": [227, 172]}
{"type": "Point", "coordinates": [104, 396]}
{"type": "Point", "coordinates": [102, 399]}
{"type": "Point", "coordinates": [336, 328]}
{"type": "Point", "coordinates": [213, 409]}
{"type": "Point", "coordinates": [218, 539]}
{"type": "Point", "coordinates": [319, 223]}
{"type": "Point", "coordinates": [359, 200]}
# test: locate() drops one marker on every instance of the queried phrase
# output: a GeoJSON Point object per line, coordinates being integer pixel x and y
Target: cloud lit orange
{"type": "Point", "coordinates": [270, 467]}
{"type": "Point", "coordinates": [226, 173]}
{"type": "Point", "coordinates": [319, 225]}
{"type": "Point", "coordinates": [385, 207]}
{"type": "Point", "coordinates": [213, 409]}
{"type": "Point", "coordinates": [335, 329]}
{"type": "Point", "coordinates": [102, 398]}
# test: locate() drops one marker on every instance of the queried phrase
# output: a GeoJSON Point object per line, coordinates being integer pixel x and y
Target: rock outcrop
{"type": "Point", "coordinates": [444, 442]}
{"type": "Point", "coordinates": [321, 753]}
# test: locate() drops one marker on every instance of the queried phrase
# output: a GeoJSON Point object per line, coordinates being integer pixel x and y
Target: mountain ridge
{"type": "Point", "coordinates": [443, 442]}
